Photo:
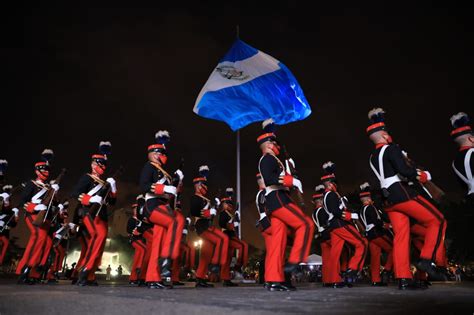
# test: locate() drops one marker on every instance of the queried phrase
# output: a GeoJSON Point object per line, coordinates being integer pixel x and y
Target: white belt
{"type": "Point", "coordinates": [389, 181]}
{"type": "Point", "coordinates": [271, 188]}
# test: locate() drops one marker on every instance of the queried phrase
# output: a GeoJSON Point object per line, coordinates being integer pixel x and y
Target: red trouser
{"type": "Point", "coordinates": [84, 242]}
{"type": "Point", "coordinates": [32, 255]}
{"type": "Point", "coordinates": [417, 230]}
{"type": "Point", "coordinates": [347, 233]}
{"type": "Point", "coordinates": [425, 214]}
{"type": "Point", "coordinates": [417, 241]}
{"type": "Point", "coordinates": [4, 245]}
{"type": "Point", "coordinates": [173, 224]}
{"type": "Point", "coordinates": [326, 257]}
{"type": "Point", "coordinates": [243, 248]}
{"type": "Point", "coordinates": [288, 216]}
{"type": "Point", "coordinates": [148, 235]}
{"type": "Point", "coordinates": [214, 250]}
{"type": "Point", "coordinates": [140, 248]}
{"type": "Point", "coordinates": [57, 264]}
{"type": "Point", "coordinates": [48, 245]}
{"type": "Point", "coordinates": [376, 246]}
{"type": "Point", "coordinates": [153, 273]}
{"type": "Point", "coordinates": [97, 230]}
{"type": "Point", "coordinates": [181, 261]}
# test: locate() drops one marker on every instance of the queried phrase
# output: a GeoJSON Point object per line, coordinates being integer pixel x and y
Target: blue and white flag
{"type": "Point", "coordinates": [248, 86]}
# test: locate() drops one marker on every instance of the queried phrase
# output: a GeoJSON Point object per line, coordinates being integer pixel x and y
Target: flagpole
{"type": "Point", "coordinates": [237, 34]}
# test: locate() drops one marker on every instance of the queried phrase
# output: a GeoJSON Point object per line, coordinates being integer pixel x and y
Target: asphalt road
{"type": "Point", "coordinates": [119, 298]}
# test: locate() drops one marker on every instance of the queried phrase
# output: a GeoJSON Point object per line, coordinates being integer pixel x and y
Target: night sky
{"type": "Point", "coordinates": [75, 76]}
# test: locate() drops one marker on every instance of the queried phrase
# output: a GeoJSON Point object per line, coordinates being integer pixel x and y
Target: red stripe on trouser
{"type": "Point", "coordinates": [56, 265]}
{"type": "Point", "coordinates": [326, 257]}
{"type": "Point", "coordinates": [399, 215]}
{"type": "Point", "coordinates": [29, 246]}
{"type": "Point", "coordinates": [303, 228]}
{"type": "Point", "coordinates": [376, 245]}
{"type": "Point", "coordinates": [92, 231]}
{"type": "Point", "coordinates": [80, 262]}
{"type": "Point", "coordinates": [214, 250]}
{"type": "Point", "coordinates": [338, 237]}
{"type": "Point", "coordinates": [276, 251]}
{"type": "Point", "coordinates": [439, 256]}
{"type": "Point", "coordinates": [139, 247]}
{"type": "Point", "coordinates": [177, 263]}
{"type": "Point", "coordinates": [95, 255]}
{"type": "Point", "coordinates": [267, 237]}
{"type": "Point", "coordinates": [148, 235]}
{"type": "Point", "coordinates": [173, 225]}
{"type": "Point", "coordinates": [48, 245]}
{"type": "Point", "coordinates": [37, 253]}
{"type": "Point", "coordinates": [192, 257]}
{"type": "Point", "coordinates": [102, 229]}
{"type": "Point", "coordinates": [234, 244]}
{"type": "Point", "coordinates": [4, 244]}
{"type": "Point", "coordinates": [153, 270]}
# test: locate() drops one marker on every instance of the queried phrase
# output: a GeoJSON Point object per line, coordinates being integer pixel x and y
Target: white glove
{"type": "Point", "coordinates": [170, 190]}
{"type": "Point", "coordinates": [354, 216]}
{"type": "Point", "coordinates": [2, 223]}
{"type": "Point", "coordinates": [15, 211]}
{"type": "Point", "coordinates": [40, 207]}
{"type": "Point", "coordinates": [96, 199]}
{"type": "Point", "coordinates": [180, 174]}
{"type": "Point", "coordinates": [236, 224]}
{"type": "Point", "coordinates": [113, 186]}
{"type": "Point", "coordinates": [71, 226]}
{"type": "Point", "coordinates": [297, 184]}
{"type": "Point", "coordinates": [61, 208]}
{"type": "Point", "coordinates": [185, 232]}
{"type": "Point", "coordinates": [213, 211]}
{"type": "Point", "coordinates": [218, 202]}
{"type": "Point", "coordinates": [55, 187]}
{"type": "Point", "coordinates": [188, 219]}
{"type": "Point", "coordinates": [5, 197]}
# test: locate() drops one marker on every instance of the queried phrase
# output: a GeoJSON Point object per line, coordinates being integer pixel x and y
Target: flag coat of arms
{"type": "Point", "coordinates": [249, 86]}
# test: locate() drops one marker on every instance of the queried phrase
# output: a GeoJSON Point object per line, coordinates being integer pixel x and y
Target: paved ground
{"type": "Point", "coordinates": [119, 298]}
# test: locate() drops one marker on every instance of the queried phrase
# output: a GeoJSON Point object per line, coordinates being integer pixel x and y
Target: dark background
{"type": "Point", "coordinates": [73, 76]}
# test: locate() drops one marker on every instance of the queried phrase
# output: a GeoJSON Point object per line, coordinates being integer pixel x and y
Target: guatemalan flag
{"type": "Point", "coordinates": [248, 86]}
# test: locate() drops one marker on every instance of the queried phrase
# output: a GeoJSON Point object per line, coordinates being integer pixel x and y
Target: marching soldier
{"type": "Point", "coordinates": [463, 164]}
{"type": "Point", "coordinates": [215, 243]}
{"type": "Point", "coordinates": [138, 243]}
{"type": "Point", "coordinates": [342, 230]}
{"type": "Point", "coordinates": [284, 214]}
{"type": "Point", "coordinates": [33, 201]}
{"type": "Point", "coordinates": [160, 190]}
{"type": "Point", "coordinates": [321, 219]}
{"type": "Point", "coordinates": [228, 224]}
{"type": "Point", "coordinates": [390, 167]}
{"type": "Point", "coordinates": [94, 195]}
{"type": "Point", "coordinates": [376, 231]}
{"type": "Point", "coordinates": [8, 217]}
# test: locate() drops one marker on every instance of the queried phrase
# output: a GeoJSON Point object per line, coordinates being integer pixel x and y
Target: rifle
{"type": "Point", "coordinates": [429, 187]}
{"type": "Point", "coordinates": [104, 191]}
{"type": "Point", "coordinates": [290, 168]}
{"type": "Point", "coordinates": [48, 200]}
{"type": "Point", "coordinates": [175, 183]}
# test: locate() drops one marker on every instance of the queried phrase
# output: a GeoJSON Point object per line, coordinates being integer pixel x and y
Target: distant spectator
{"type": "Point", "coordinates": [119, 271]}
{"type": "Point", "coordinates": [109, 271]}
{"type": "Point", "coordinates": [457, 274]}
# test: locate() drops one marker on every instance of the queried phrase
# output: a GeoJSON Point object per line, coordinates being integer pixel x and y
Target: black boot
{"type": "Point", "coordinates": [165, 265]}
{"type": "Point", "coordinates": [23, 279]}
{"type": "Point", "coordinates": [82, 280]}
{"type": "Point", "coordinates": [407, 284]}
{"type": "Point", "coordinates": [228, 283]}
{"type": "Point", "coordinates": [156, 285]}
{"type": "Point", "coordinates": [379, 284]}
{"type": "Point", "coordinates": [277, 286]}
{"type": "Point", "coordinates": [201, 283]}
{"type": "Point", "coordinates": [288, 283]}
{"type": "Point", "coordinates": [350, 277]}
{"type": "Point", "coordinates": [430, 268]}
{"type": "Point", "coordinates": [290, 268]}
{"type": "Point", "coordinates": [216, 269]}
